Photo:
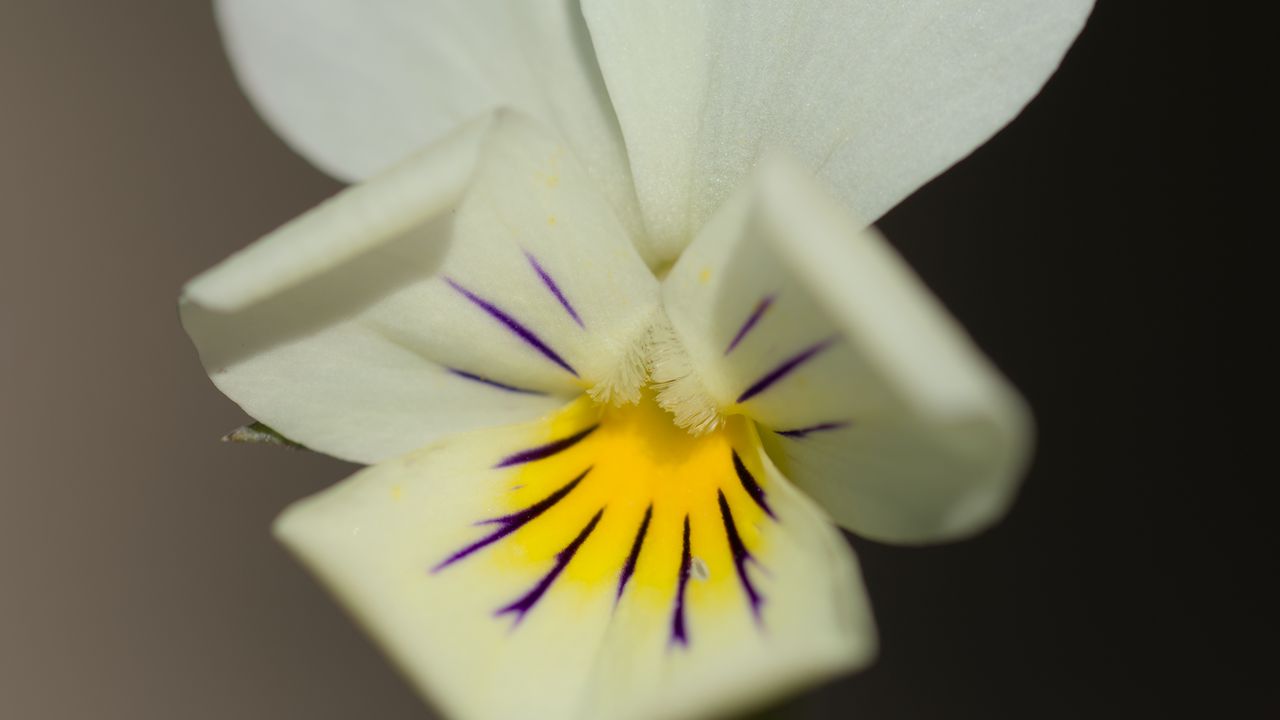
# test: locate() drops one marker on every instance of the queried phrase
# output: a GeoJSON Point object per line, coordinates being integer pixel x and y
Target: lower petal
{"type": "Point", "coordinates": [601, 563]}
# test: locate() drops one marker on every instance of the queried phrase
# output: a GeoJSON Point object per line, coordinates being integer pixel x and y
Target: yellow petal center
{"type": "Point", "coordinates": [640, 508]}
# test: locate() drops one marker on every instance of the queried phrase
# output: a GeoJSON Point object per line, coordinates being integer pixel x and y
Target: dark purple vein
{"type": "Point", "coordinates": [513, 325]}
{"type": "Point", "coordinates": [750, 485]}
{"type": "Point", "coordinates": [754, 318]}
{"type": "Point", "coordinates": [493, 383]}
{"type": "Point", "coordinates": [554, 288]}
{"type": "Point", "coordinates": [630, 567]}
{"type": "Point", "coordinates": [522, 606]}
{"type": "Point", "coordinates": [821, 427]}
{"type": "Point", "coordinates": [545, 451]}
{"type": "Point", "coordinates": [679, 634]}
{"type": "Point", "coordinates": [783, 370]}
{"type": "Point", "coordinates": [740, 555]}
{"type": "Point", "coordinates": [508, 524]}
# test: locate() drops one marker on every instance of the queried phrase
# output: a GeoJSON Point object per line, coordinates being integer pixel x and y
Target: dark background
{"type": "Point", "coordinates": [1081, 247]}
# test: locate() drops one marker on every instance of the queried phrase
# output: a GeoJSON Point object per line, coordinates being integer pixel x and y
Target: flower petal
{"type": "Point", "coordinates": [542, 589]}
{"type": "Point", "coordinates": [481, 282]}
{"type": "Point", "coordinates": [879, 405]}
{"type": "Point", "coordinates": [355, 87]}
{"type": "Point", "coordinates": [876, 96]}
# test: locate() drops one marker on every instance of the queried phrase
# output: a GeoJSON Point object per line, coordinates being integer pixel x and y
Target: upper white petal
{"type": "Point", "coordinates": [357, 86]}
{"type": "Point", "coordinates": [881, 406]}
{"type": "Point", "coordinates": [370, 325]}
{"type": "Point", "coordinates": [876, 96]}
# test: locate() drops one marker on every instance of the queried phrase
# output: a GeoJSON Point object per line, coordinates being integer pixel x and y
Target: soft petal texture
{"type": "Point", "coordinates": [417, 549]}
{"type": "Point", "coordinates": [356, 86]}
{"type": "Point", "coordinates": [882, 408]}
{"type": "Point", "coordinates": [875, 96]}
{"type": "Point", "coordinates": [482, 281]}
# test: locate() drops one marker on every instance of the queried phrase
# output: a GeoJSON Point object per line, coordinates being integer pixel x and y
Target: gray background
{"type": "Point", "coordinates": [137, 575]}
{"type": "Point", "coordinates": [140, 580]}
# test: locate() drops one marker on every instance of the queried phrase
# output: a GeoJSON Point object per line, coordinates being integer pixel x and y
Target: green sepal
{"type": "Point", "coordinates": [257, 433]}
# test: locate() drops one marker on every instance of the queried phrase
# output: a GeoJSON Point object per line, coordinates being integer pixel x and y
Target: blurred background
{"type": "Point", "coordinates": [138, 578]}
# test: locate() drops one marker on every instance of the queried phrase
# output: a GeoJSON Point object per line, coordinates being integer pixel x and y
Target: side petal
{"type": "Point", "coordinates": [875, 96]}
{"type": "Point", "coordinates": [481, 282]}
{"type": "Point", "coordinates": [355, 87]}
{"type": "Point", "coordinates": [876, 401]}
{"type": "Point", "coordinates": [556, 587]}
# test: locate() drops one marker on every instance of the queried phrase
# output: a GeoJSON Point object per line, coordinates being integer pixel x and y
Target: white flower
{"type": "Point", "coordinates": [498, 322]}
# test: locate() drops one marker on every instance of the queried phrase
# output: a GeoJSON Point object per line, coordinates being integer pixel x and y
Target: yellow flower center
{"type": "Point", "coordinates": [620, 499]}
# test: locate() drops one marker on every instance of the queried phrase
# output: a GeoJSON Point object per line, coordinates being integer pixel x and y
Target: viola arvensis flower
{"type": "Point", "coordinates": [613, 343]}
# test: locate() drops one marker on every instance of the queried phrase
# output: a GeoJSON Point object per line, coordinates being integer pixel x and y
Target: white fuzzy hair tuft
{"type": "Point", "coordinates": [655, 356]}
{"type": "Point", "coordinates": [680, 390]}
{"type": "Point", "coordinates": [630, 374]}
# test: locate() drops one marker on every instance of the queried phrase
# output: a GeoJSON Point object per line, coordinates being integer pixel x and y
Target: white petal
{"type": "Point", "coordinates": [355, 87]}
{"type": "Point", "coordinates": [882, 407]}
{"type": "Point", "coordinates": [406, 547]}
{"type": "Point", "coordinates": [876, 96]}
{"type": "Point", "coordinates": [478, 283]}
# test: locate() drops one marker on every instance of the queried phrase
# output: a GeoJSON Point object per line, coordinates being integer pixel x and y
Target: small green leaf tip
{"type": "Point", "coordinates": [257, 433]}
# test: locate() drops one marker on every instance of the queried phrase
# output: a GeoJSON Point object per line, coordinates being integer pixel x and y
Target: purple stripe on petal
{"type": "Point", "coordinates": [679, 633]}
{"type": "Point", "coordinates": [513, 325]}
{"type": "Point", "coordinates": [630, 567]}
{"type": "Point", "coordinates": [740, 556]}
{"type": "Point", "coordinates": [783, 370]}
{"type": "Point", "coordinates": [554, 288]}
{"type": "Point", "coordinates": [754, 318]}
{"type": "Point", "coordinates": [508, 524]}
{"type": "Point", "coordinates": [493, 383]}
{"type": "Point", "coordinates": [545, 451]}
{"type": "Point", "coordinates": [821, 427]}
{"type": "Point", "coordinates": [750, 485]}
{"type": "Point", "coordinates": [522, 606]}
